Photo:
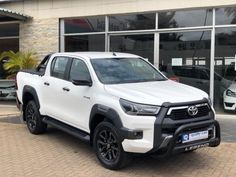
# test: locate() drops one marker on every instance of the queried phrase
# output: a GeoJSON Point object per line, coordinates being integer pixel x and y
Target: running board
{"type": "Point", "coordinates": [67, 128]}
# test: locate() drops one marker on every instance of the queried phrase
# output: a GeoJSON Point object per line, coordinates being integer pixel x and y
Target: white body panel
{"type": "Point", "coordinates": [230, 99]}
{"type": "Point", "coordinates": [74, 107]}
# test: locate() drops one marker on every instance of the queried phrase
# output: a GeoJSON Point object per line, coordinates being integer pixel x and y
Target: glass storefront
{"type": "Point", "coordinates": [142, 45]}
{"type": "Point", "coordinates": [131, 22]}
{"type": "Point", "coordinates": [186, 18]}
{"type": "Point", "coordinates": [85, 43]}
{"type": "Point", "coordinates": [179, 43]}
{"type": "Point", "coordinates": [225, 51]}
{"type": "Point", "coordinates": [9, 40]}
{"type": "Point", "coordinates": [185, 58]}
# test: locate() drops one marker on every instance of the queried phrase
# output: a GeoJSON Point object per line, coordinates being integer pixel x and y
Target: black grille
{"type": "Point", "coordinates": [229, 104]}
{"type": "Point", "coordinates": [178, 114]}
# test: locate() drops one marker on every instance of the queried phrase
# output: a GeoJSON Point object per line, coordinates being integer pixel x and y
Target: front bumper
{"type": "Point", "coordinates": [172, 144]}
{"type": "Point", "coordinates": [167, 133]}
{"type": "Point", "coordinates": [229, 103]}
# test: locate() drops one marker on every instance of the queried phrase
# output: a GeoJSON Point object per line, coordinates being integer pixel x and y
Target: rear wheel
{"type": "Point", "coordinates": [108, 147]}
{"type": "Point", "coordinates": [34, 119]}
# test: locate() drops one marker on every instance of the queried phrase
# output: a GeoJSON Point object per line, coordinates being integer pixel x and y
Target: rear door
{"type": "Point", "coordinates": [53, 84]}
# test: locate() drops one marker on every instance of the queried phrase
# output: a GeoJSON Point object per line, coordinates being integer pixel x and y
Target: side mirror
{"type": "Point", "coordinates": [84, 82]}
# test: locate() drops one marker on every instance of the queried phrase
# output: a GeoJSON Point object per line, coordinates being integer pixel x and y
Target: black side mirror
{"type": "Point", "coordinates": [84, 82]}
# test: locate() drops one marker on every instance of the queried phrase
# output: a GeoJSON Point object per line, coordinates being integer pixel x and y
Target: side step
{"type": "Point", "coordinates": [67, 128]}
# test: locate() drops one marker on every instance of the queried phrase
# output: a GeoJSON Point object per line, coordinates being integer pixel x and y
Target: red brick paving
{"type": "Point", "coordinates": [57, 154]}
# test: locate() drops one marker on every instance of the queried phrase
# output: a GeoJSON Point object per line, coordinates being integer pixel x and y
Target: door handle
{"type": "Point", "coordinates": [65, 89]}
{"type": "Point", "coordinates": [46, 83]}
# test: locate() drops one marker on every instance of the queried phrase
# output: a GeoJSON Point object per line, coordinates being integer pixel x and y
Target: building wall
{"type": "Point", "coordinates": [44, 9]}
{"type": "Point", "coordinates": [40, 35]}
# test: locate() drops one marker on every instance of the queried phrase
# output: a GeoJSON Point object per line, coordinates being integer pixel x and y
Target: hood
{"type": "Point", "coordinates": [156, 93]}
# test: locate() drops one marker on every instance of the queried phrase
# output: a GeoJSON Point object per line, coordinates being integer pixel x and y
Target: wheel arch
{"type": "Point", "coordinates": [101, 113]}
{"type": "Point", "coordinates": [29, 93]}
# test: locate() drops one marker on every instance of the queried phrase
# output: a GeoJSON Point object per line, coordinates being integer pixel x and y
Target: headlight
{"type": "Point", "coordinates": [230, 93]}
{"type": "Point", "coordinates": [138, 109]}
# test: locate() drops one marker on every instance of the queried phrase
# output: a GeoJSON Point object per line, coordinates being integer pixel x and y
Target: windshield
{"type": "Point", "coordinates": [125, 70]}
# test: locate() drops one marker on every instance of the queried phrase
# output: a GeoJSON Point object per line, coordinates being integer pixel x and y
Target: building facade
{"type": "Point", "coordinates": [192, 42]}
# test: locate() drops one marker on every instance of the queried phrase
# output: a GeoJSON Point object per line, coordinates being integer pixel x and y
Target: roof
{"type": "Point", "coordinates": [97, 55]}
{"type": "Point", "coordinates": [13, 14]}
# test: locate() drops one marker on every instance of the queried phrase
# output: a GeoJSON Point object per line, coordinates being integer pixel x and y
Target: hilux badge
{"type": "Point", "coordinates": [192, 110]}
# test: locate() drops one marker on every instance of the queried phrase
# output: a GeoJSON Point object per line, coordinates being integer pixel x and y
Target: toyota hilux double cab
{"type": "Point", "coordinates": [119, 103]}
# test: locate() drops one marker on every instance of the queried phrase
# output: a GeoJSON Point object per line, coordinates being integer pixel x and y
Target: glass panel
{"type": "Point", "coordinates": [226, 16]}
{"type": "Point", "coordinates": [5, 45]}
{"type": "Point", "coordinates": [131, 22]}
{"type": "Point", "coordinates": [142, 45]}
{"type": "Point", "coordinates": [85, 43]}
{"type": "Point", "coordinates": [9, 30]}
{"type": "Point", "coordinates": [59, 67]}
{"type": "Point", "coordinates": [82, 25]}
{"type": "Point", "coordinates": [187, 18]}
{"type": "Point", "coordinates": [225, 85]}
{"type": "Point", "coordinates": [79, 71]}
{"type": "Point", "coordinates": [125, 70]}
{"type": "Point", "coordinates": [185, 58]}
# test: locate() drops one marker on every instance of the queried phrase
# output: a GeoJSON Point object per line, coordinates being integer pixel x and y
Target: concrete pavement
{"type": "Point", "coordinates": [57, 154]}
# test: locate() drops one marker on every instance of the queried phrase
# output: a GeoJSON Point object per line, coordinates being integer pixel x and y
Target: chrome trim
{"type": "Point", "coordinates": [185, 107]}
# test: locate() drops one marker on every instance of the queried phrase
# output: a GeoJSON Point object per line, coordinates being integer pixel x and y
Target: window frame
{"type": "Point", "coordinates": [65, 75]}
{"type": "Point", "coordinates": [70, 67]}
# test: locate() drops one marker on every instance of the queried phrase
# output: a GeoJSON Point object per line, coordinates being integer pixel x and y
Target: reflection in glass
{"type": "Point", "coordinates": [82, 25]}
{"type": "Point", "coordinates": [186, 18]}
{"type": "Point", "coordinates": [142, 45]}
{"type": "Point", "coordinates": [185, 58]}
{"type": "Point", "coordinates": [5, 45]}
{"type": "Point", "coordinates": [131, 22]}
{"type": "Point", "coordinates": [85, 43]}
{"type": "Point", "coordinates": [9, 30]}
{"type": "Point", "coordinates": [225, 51]}
{"type": "Point", "coordinates": [226, 16]}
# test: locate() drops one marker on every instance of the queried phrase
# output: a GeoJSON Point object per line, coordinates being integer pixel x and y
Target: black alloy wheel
{"type": "Point", "coordinates": [108, 147]}
{"type": "Point", "coordinates": [34, 119]}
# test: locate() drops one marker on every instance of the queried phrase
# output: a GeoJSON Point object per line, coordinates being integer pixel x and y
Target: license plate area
{"type": "Point", "coordinates": [194, 136]}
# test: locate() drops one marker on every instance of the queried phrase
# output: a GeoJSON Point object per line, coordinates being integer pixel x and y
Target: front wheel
{"type": "Point", "coordinates": [34, 119]}
{"type": "Point", "coordinates": [108, 147]}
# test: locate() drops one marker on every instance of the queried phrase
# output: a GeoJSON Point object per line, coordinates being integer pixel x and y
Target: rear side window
{"type": "Point", "coordinates": [79, 71]}
{"type": "Point", "coordinates": [59, 67]}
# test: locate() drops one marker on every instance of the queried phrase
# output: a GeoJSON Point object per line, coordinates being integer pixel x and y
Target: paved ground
{"type": "Point", "coordinates": [58, 154]}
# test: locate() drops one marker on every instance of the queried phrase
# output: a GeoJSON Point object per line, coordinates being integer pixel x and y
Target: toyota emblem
{"type": "Point", "coordinates": [192, 110]}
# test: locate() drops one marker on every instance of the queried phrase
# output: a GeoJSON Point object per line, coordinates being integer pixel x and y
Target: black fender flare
{"type": "Point", "coordinates": [30, 90]}
{"type": "Point", "coordinates": [113, 117]}
{"type": "Point", "coordinates": [110, 114]}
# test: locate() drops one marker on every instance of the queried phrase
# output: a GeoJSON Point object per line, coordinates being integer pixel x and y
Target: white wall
{"type": "Point", "coordinates": [40, 9]}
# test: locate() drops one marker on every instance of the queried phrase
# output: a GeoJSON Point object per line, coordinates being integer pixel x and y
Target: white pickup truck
{"type": "Point", "coordinates": [118, 102]}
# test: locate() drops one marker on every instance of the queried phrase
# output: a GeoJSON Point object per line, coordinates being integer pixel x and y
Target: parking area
{"type": "Point", "coordinates": [58, 154]}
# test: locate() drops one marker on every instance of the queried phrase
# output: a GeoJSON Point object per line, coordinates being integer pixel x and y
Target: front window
{"type": "Point", "coordinates": [125, 70]}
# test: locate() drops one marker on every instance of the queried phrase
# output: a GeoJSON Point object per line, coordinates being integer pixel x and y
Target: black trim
{"type": "Point", "coordinates": [32, 95]}
{"type": "Point", "coordinates": [112, 116]}
{"type": "Point", "coordinates": [167, 127]}
{"type": "Point", "coordinates": [67, 128]}
{"type": "Point", "coordinates": [32, 91]}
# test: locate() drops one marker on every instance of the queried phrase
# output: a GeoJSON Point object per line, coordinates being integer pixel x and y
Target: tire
{"type": "Point", "coordinates": [34, 119]}
{"type": "Point", "coordinates": [109, 150]}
